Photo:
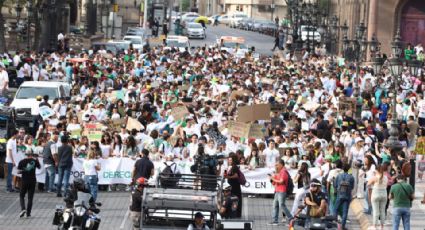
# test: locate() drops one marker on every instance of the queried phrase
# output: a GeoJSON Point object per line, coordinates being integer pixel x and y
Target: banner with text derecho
{"type": "Point", "coordinates": [118, 171]}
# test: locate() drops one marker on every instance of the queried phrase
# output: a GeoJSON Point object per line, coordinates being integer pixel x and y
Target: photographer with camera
{"type": "Point", "coordinates": [26, 167]}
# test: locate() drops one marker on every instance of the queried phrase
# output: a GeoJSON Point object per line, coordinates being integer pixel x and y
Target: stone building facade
{"type": "Point", "coordinates": [384, 18]}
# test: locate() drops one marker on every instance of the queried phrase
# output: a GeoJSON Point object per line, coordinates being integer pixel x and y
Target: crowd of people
{"type": "Point", "coordinates": [311, 131]}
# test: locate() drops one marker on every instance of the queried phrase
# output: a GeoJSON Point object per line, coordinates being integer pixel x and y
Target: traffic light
{"type": "Point", "coordinates": [115, 8]}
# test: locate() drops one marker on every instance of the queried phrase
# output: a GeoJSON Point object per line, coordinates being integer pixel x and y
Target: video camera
{"type": "Point", "coordinates": [206, 164]}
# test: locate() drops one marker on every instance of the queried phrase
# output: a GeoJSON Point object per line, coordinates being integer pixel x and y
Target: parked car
{"type": "Point", "coordinates": [211, 19]}
{"type": "Point", "coordinates": [75, 30]}
{"type": "Point", "coordinates": [189, 17]}
{"type": "Point", "coordinates": [179, 42]}
{"type": "Point", "coordinates": [121, 45]}
{"type": "Point", "coordinates": [236, 18]}
{"type": "Point", "coordinates": [224, 19]}
{"type": "Point", "coordinates": [257, 24]}
{"type": "Point", "coordinates": [194, 30]}
{"type": "Point", "coordinates": [246, 23]}
{"type": "Point", "coordinates": [311, 33]}
{"type": "Point", "coordinates": [131, 31]}
{"type": "Point", "coordinates": [268, 28]}
{"type": "Point", "coordinates": [138, 41]}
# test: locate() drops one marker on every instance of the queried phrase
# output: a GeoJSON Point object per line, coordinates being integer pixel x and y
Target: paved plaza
{"type": "Point", "coordinates": [114, 211]}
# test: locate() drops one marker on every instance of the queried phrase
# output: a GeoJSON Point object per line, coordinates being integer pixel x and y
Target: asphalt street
{"type": "Point", "coordinates": [262, 43]}
{"type": "Point", "coordinates": [114, 211]}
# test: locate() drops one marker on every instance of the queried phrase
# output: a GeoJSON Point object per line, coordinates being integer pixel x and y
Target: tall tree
{"type": "Point", "coordinates": [9, 4]}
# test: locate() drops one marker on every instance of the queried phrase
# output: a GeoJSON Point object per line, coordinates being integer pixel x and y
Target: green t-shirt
{"type": "Point", "coordinates": [401, 196]}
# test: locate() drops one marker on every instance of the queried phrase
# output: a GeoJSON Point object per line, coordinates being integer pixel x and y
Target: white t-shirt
{"type": "Point", "coordinates": [421, 108]}
{"type": "Point", "coordinates": [4, 79]}
{"type": "Point", "coordinates": [11, 145]}
{"type": "Point", "coordinates": [90, 167]}
{"type": "Point", "coordinates": [271, 155]}
{"type": "Point", "coordinates": [105, 150]}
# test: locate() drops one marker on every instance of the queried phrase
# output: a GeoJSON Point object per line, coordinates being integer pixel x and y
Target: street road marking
{"type": "Point", "coordinates": [8, 208]}
{"type": "Point", "coordinates": [245, 209]}
{"type": "Point", "coordinates": [124, 219]}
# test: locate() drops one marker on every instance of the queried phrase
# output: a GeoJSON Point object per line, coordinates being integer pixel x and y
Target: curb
{"type": "Point", "coordinates": [357, 209]}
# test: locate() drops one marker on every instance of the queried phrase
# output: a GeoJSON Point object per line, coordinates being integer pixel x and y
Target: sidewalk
{"type": "Point", "coordinates": [417, 220]}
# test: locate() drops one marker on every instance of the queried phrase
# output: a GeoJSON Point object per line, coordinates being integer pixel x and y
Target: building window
{"type": "Point", "coordinates": [264, 8]}
{"type": "Point", "coordinates": [239, 8]}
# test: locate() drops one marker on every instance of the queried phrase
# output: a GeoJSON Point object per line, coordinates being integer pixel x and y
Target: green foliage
{"type": "Point", "coordinates": [185, 5]}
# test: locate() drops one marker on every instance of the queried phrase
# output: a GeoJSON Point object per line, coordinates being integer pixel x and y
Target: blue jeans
{"type": "Point", "coordinates": [50, 179]}
{"type": "Point", "coordinates": [279, 204]}
{"type": "Point", "coordinates": [91, 181]}
{"type": "Point", "coordinates": [367, 205]}
{"type": "Point", "coordinates": [64, 174]}
{"type": "Point", "coordinates": [403, 213]}
{"type": "Point", "coordinates": [345, 203]}
{"type": "Point", "coordinates": [9, 176]}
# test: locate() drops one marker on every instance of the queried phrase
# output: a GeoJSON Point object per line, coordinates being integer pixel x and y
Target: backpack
{"type": "Point", "coordinates": [168, 178]}
{"type": "Point", "coordinates": [289, 184]}
{"type": "Point", "coordinates": [241, 177]}
{"type": "Point", "coordinates": [344, 188]}
{"type": "Point", "coordinates": [406, 168]}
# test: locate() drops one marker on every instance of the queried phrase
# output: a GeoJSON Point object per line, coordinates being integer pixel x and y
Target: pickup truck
{"type": "Point", "coordinates": [26, 95]}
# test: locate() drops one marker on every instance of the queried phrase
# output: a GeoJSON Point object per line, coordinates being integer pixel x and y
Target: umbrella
{"type": "Point", "coordinates": [201, 18]}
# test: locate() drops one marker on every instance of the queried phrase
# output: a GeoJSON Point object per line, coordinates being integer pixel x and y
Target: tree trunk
{"type": "Point", "coordinates": [37, 32]}
{"type": "Point", "coordinates": [3, 48]}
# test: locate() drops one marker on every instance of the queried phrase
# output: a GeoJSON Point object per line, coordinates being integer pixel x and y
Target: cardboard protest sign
{"type": "Point", "coordinates": [420, 146]}
{"type": "Point", "coordinates": [256, 131]}
{"type": "Point", "coordinates": [179, 112]}
{"type": "Point", "coordinates": [155, 84]}
{"type": "Point", "coordinates": [345, 104]}
{"type": "Point", "coordinates": [238, 94]}
{"type": "Point", "coordinates": [184, 87]}
{"type": "Point", "coordinates": [238, 129]}
{"type": "Point", "coordinates": [277, 108]}
{"type": "Point", "coordinates": [254, 112]}
{"type": "Point", "coordinates": [311, 106]}
{"type": "Point", "coordinates": [76, 133]}
{"type": "Point", "coordinates": [116, 124]}
{"type": "Point", "coordinates": [267, 81]}
{"type": "Point", "coordinates": [93, 131]}
{"type": "Point", "coordinates": [46, 112]}
{"type": "Point", "coordinates": [133, 124]}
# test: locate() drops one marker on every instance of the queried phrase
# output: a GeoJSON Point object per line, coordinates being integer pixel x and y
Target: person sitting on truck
{"type": "Point", "coordinates": [198, 223]}
{"type": "Point", "coordinates": [229, 207]}
{"type": "Point", "coordinates": [136, 202]}
{"type": "Point", "coordinates": [316, 200]}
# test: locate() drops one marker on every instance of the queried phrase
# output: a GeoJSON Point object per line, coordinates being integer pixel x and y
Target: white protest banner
{"type": "Point", "coordinates": [46, 112]}
{"type": "Point", "coordinates": [118, 171]}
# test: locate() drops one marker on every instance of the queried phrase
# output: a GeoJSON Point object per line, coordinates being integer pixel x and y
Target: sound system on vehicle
{"type": "Point", "coordinates": [236, 225]}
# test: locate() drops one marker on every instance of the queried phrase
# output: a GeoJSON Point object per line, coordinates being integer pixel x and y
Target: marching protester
{"type": "Point", "coordinates": [343, 185]}
{"type": "Point", "coordinates": [91, 167]}
{"type": "Point", "coordinates": [402, 195]}
{"type": "Point", "coordinates": [27, 168]}
{"type": "Point", "coordinates": [280, 181]}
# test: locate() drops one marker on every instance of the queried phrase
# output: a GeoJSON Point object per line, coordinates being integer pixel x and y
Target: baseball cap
{"type": "Point", "coordinates": [199, 215]}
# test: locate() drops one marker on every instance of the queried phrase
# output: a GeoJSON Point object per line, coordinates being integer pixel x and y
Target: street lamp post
{"type": "Point", "coordinates": [354, 51]}
{"type": "Point", "coordinates": [29, 9]}
{"type": "Point", "coordinates": [334, 34]}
